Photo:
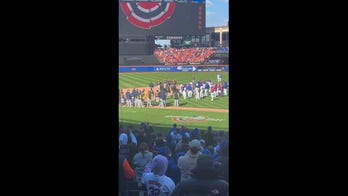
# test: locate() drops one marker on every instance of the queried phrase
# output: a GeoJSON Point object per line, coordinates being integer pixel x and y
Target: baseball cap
{"type": "Point", "coordinates": [163, 150]}
{"type": "Point", "coordinates": [123, 139]}
{"type": "Point", "coordinates": [195, 144]}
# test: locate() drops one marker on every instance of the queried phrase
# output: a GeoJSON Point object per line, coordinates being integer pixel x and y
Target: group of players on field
{"type": "Point", "coordinates": [199, 90]}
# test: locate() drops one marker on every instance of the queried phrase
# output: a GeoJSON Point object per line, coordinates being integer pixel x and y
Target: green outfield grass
{"type": "Point", "coordinates": [157, 117]}
{"type": "Point", "coordinates": [131, 80]}
{"type": "Point", "coordinates": [163, 119]}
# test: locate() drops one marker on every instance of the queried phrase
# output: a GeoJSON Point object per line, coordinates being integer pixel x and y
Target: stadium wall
{"type": "Point", "coordinates": [178, 68]}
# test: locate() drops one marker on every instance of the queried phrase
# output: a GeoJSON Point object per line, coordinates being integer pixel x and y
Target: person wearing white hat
{"type": "Point", "coordinates": [188, 162]}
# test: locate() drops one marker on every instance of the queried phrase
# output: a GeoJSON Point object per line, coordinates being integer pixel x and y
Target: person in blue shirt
{"type": "Point", "coordinates": [224, 87]}
{"type": "Point", "coordinates": [173, 170]}
{"type": "Point", "coordinates": [206, 89]}
{"type": "Point", "coordinates": [128, 99]}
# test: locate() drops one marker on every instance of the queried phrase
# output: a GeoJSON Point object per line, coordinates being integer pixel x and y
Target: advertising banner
{"type": "Point", "coordinates": [183, 68]}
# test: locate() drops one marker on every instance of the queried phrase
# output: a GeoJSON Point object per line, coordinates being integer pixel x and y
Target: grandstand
{"type": "Point", "coordinates": [210, 48]}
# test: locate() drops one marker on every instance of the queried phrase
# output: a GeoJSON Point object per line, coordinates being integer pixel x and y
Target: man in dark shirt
{"type": "Point", "coordinates": [151, 86]}
{"type": "Point", "coordinates": [209, 137]}
{"type": "Point", "coordinates": [204, 181]}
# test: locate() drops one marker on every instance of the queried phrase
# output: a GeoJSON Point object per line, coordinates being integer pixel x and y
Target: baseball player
{"type": "Point", "coordinates": [206, 89]}
{"type": "Point", "coordinates": [212, 93]}
{"type": "Point", "coordinates": [189, 89]}
{"type": "Point", "coordinates": [201, 90]}
{"type": "Point", "coordinates": [184, 92]}
{"type": "Point", "coordinates": [149, 99]}
{"type": "Point", "coordinates": [224, 86]}
{"type": "Point", "coordinates": [197, 93]}
{"type": "Point", "coordinates": [176, 99]}
{"type": "Point", "coordinates": [128, 99]}
{"type": "Point", "coordinates": [122, 100]}
{"type": "Point", "coordinates": [219, 77]}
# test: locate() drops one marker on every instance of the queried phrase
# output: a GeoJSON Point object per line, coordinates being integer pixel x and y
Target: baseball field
{"type": "Point", "coordinates": [191, 113]}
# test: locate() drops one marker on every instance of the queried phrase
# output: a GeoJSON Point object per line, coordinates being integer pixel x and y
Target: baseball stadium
{"type": "Point", "coordinates": [173, 99]}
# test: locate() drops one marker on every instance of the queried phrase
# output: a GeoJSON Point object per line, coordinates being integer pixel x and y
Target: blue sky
{"type": "Point", "coordinates": [216, 13]}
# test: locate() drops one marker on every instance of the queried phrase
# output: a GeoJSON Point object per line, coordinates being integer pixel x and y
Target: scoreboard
{"type": "Point", "coordinates": [161, 17]}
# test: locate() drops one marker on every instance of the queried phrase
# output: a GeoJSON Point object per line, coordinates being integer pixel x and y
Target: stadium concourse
{"type": "Point", "coordinates": [173, 158]}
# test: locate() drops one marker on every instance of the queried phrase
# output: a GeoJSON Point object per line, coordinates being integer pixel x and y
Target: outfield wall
{"type": "Point", "coordinates": [177, 68]}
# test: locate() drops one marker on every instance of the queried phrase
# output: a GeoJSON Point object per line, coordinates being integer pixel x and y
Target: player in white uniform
{"type": "Point", "coordinates": [201, 92]}
{"type": "Point", "coordinates": [184, 93]}
{"type": "Point", "coordinates": [196, 93]}
{"type": "Point", "coordinates": [219, 77]}
{"type": "Point", "coordinates": [154, 178]}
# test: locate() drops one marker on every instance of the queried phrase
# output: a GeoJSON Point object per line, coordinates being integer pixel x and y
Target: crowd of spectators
{"type": "Point", "coordinates": [175, 163]}
{"type": "Point", "coordinates": [184, 55]}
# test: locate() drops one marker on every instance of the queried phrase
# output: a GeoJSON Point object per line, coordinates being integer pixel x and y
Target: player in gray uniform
{"type": "Point", "coordinates": [176, 99]}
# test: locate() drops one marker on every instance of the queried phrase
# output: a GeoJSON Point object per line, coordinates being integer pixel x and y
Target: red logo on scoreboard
{"type": "Point", "coordinates": [146, 15]}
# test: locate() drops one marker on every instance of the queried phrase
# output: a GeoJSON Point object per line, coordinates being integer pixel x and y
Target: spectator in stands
{"type": "Point", "coordinates": [195, 134]}
{"type": "Point", "coordinates": [141, 159]}
{"type": "Point", "coordinates": [125, 173]}
{"type": "Point", "coordinates": [154, 178]}
{"type": "Point", "coordinates": [173, 171]}
{"type": "Point", "coordinates": [204, 181]}
{"type": "Point", "coordinates": [204, 150]}
{"type": "Point", "coordinates": [188, 162]}
{"type": "Point", "coordinates": [173, 129]}
{"type": "Point", "coordinates": [131, 136]}
{"type": "Point", "coordinates": [184, 132]}
{"type": "Point", "coordinates": [221, 162]}
{"type": "Point", "coordinates": [159, 142]}
{"type": "Point", "coordinates": [220, 137]}
{"type": "Point", "coordinates": [184, 55]}
{"type": "Point", "coordinates": [170, 139]}
{"type": "Point", "coordinates": [182, 145]}
{"type": "Point", "coordinates": [123, 146]}
{"type": "Point", "coordinates": [209, 137]}
{"type": "Point", "coordinates": [133, 149]}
